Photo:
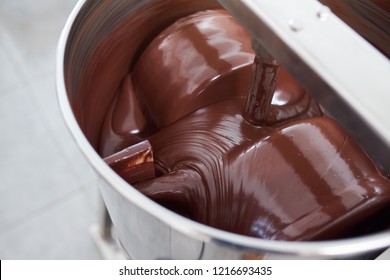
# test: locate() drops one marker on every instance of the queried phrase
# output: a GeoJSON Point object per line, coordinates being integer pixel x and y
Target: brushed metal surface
{"type": "Point", "coordinates": [146, 229]}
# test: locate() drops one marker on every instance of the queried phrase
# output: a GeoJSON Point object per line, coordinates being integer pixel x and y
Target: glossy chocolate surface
{"type": "Point", "coordinates": [305, 180]}
{"type": "Point", "coordinates": [200, 59]}
{"type": "Point", "coordinates": [101, 55]}
{"type": "Point", "coordinates": [297, 177]}
{"type": "Point", "coordinates": [171, 82]}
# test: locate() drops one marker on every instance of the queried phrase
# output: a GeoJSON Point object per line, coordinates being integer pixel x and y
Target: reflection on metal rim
{"type": "Point", "coordinates": [188, 228]}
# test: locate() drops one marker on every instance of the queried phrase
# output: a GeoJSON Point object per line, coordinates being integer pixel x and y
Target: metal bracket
{"type": "Point", "coordinates": [343, 72]}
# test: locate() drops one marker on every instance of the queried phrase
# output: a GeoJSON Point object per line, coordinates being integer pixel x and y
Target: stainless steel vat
{"type": "Point", "coordinates": [145, 229]}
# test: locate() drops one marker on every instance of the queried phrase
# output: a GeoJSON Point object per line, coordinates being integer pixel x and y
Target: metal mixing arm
{"type": "Point", "coordinates": [346, 75]}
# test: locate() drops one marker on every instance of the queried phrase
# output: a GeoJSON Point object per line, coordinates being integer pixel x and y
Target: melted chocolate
{"type": "Point", "coordinates": [172, 79]}
{"type": "Point", "coordinates": [100, 55]}
{"type": "Point", "coordinates": [199, 60]}
{"type": "Point", "coordinates": [306, 180]}
{"type": "Point", "coordinates": [300, 177]}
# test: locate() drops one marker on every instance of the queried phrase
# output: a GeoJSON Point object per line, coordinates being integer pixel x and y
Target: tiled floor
{"type": "Point", "coordinates": [48, 193]}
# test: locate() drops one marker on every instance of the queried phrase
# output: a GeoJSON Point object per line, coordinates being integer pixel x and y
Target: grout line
{"type": "Point", "coordinates": [15, 67]}
{"type": "Point", "coordinates": [52, 128]}
{"type": "Point", "coordinates": [15, 56]}
{"type": "Point", "coordinates": [37, 212]}
{"type": "Point", "coordinates": [27, 82]}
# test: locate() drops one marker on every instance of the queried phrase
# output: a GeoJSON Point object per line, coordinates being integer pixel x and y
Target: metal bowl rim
{"type": "Point", "coordinates": [334, 248]}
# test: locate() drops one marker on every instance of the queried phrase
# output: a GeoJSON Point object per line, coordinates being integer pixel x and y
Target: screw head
{"type": "Point", "coordinates": [323, 13]}
{"type": "Point", "coordinates": [295, 25]}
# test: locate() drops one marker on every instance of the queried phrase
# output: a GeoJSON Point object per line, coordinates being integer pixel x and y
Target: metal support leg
{"type": "Point", "coordinates": [103, 233]}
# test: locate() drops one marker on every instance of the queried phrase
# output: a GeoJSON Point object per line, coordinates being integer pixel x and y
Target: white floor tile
{"type": "Point", "coordinates": [32, 170]}
{"type": "Point", "coordinates": [34, 28]}
{"type": "Point", "coordinates": [10, 75]}
{"type": "Point", "coordinates": [62, 232]}
{"type": "Point", "coordinates": [47, 188]}
{"type": "Point", "coordinates": [45, 96]}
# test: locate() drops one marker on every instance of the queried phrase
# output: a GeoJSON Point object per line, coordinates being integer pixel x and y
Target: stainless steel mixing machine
{"type": "Point", "coordinates": [304, 37]}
